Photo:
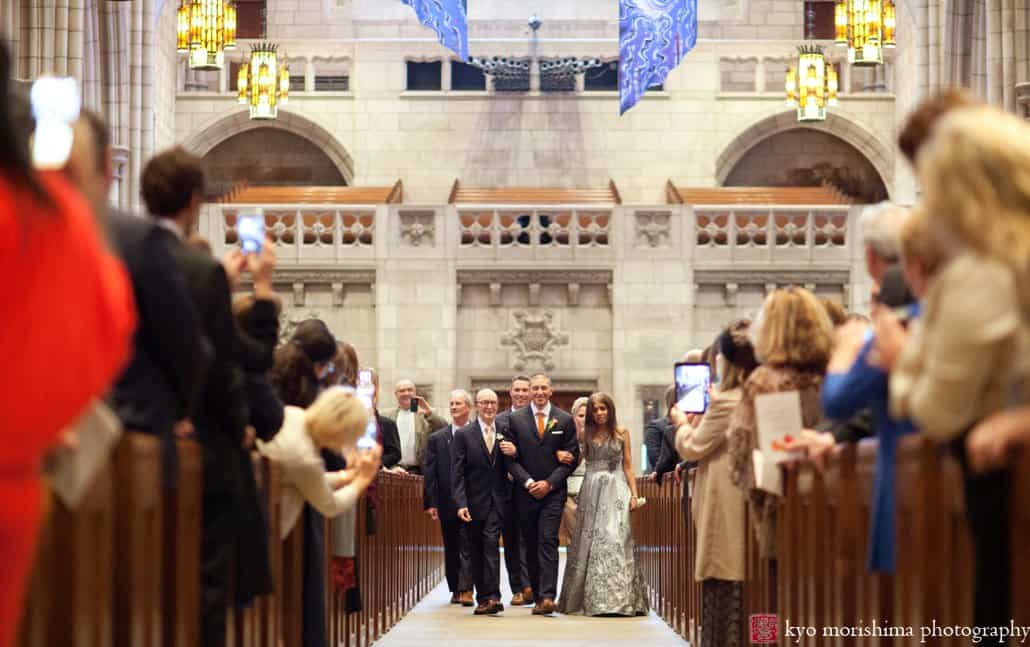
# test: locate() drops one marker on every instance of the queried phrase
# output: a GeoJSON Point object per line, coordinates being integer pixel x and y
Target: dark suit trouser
{"type": "Point", "coordinates": [484, 538]}
{"type": "Point", "coordinates": [514, 547]}
{"type": "Point", "coordinates": [540, 523]}
{"type": "Point", "coordinates": [457, 555]}
{"type": "Point", "coordinates": [215, 569]}
{"type": "Point", "coordinates": [988, 512]}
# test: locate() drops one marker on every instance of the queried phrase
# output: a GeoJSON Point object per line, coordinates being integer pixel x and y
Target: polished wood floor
{"type": "Point", "coordinates": [436, 622]}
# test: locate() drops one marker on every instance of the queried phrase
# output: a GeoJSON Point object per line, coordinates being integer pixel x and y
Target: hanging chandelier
{"type": "Point", "coordinates": [206, 28]}
{"type": "Point", "coordinates": [866, 28]}
{"type": "Point", "coordinates": [263, 82]}
{"type": "Point", "coordinates": [811, 84]}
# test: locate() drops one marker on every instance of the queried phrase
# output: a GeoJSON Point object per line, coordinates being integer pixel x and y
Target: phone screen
{"type": "Point", "coordinates": [251, 227]}
{"type": "Point", "coordinates": [366, 393]}
{"type": "Point", "coordinates": [55, 105]}
{"type": "Point", "coordinates": [692, 385]}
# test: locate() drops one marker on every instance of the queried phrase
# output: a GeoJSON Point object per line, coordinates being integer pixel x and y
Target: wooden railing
{"type": "Point", "coordinates": [123, 567]}
{"type": "Point", "coordinates": [820, 579]}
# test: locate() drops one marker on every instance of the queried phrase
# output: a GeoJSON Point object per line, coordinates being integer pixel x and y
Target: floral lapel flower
{"type": "Point", "coordinates": [550, 424]}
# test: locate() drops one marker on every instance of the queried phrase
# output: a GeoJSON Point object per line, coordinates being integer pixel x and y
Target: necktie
{"type": "Point", "coordinates": [540, 424]}
{"type": "Point", "coordinates": [490, 439]}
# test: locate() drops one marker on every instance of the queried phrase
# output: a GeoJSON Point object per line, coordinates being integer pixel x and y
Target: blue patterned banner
{"type": "Point", "coordinates": [654, 36]}
{"type": "Point", "coordinates": [447, 19]}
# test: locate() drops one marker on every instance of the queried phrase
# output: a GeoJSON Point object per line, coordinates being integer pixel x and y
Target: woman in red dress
{"type": "Point", "coordinates": [67, 322]}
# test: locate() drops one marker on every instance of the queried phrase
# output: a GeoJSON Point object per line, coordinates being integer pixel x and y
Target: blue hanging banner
{"type": "Point", "coordinates": [654, 36]}
{"type": "Point", "coordinates": [447, 19]}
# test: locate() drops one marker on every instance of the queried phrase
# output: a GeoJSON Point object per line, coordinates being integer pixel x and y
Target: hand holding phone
{"type": "Point", "coordinates": [692, 386]}
{"type": "Point", "coordinates": [413, 407]}
{"type": "Point", "coordinates": [250, 226]}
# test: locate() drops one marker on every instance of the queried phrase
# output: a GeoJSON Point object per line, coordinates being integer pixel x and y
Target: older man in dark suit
{"type": "Point", "coordinates": [536, 434]}
{"type": "Point", "coordinates": [480, 482]}
{"type": "Point", "coordinates": [438, 501]}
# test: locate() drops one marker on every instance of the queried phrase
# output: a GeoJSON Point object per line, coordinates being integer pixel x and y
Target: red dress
{"type": "Point", "coordinates": [68, 317]}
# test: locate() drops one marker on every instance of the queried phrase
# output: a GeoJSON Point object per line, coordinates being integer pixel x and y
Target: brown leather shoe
{"type": "Point", "coordinates": [527, 595]}
{"type": "Point", "coordinates": [466, 599]}
{"type": "Point", "coordinates": [489, 608]}
{"type": "Point", "coordinates": [517, 600]}
{"type": "Point", "coordinates": [544, 608]}
{"type": "Point", "coordinates": [456, 598]}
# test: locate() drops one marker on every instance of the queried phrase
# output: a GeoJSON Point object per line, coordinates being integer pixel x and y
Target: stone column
{"type": "Point", "coordinates": [309, 74]}
{"type": "Point", "coordinates": [1023, 98]}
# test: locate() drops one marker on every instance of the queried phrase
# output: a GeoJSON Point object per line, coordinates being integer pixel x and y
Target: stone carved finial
{"type": "Point", "coordinates": [298, 294]}
{"type": "Point", "coordinates": [534, 338]}
{"type": "Point", "coordinates": [731, 294]}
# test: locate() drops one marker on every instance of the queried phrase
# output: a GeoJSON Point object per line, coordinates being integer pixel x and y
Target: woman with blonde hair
{"type": "Point", "coordinates": [717, 507]}
{"type": "Point", "coordinates": [333, 422]}
{"type": "Point", "coordinates": [568, 527]}
{"type": "Point", "coordinates": [967, 359]}
{"type": "Point", "coordinates": [793, 337]}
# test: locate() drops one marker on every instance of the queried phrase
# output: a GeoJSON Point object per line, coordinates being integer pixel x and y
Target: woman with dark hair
{"type": "Point", "coordinates": [345, 366]}
{"type": "Point", "coordinates": [48, 238]}
{"type": "Point", "coordinates": [719, 508]}
{"type": "Point", "coordinates": [302, 364]}
{"type": "Point", "coordinates": [602, 576]}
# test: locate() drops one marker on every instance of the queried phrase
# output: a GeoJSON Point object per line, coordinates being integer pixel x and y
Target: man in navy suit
{"type": "Point", "coordinates": [438, 501]}
{"type": "Point", "coordinates": [514, 547]}
{"type": "Point", "coordinates": [480, 480]}
{"type": "Point", "coordinates": [536, 434]}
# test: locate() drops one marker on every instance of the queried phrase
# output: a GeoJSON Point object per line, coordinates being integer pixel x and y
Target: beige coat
{"type": "Point", "coordinates": [304, 475]}
{"type": "Point", "coordinates": [960, 364]}
{"type": "Point", "coordinates": [718, 506]}
{"type": "Point", "coordinates": [424, 425]}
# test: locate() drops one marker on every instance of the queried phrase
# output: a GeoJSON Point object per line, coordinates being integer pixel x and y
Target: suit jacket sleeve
{"type": "Point", "coordinates": [171, 319]}
{"type": "Point", "coordinates": [391, 442]}
{"type": "Point", "coordinates": [515, 468]}
{"type": "Point", "coordinates": [258, 337]}
{"type": "Point", "coordinates": [561, 473]}
{"type": "Point", "coordinates": [653, 442]}
{"type": "Point", "coordinates": [435, 421]}
{"type": "Point", "coordinates": [668, 457]}
{"type": "Point", "coordinates": [266, 409]}
{"type": "Point", "coordinates": [225, 371]}
{"type": "Point", "coordinates": [429, 475]}
{"type": "Point", "coordinates": [458, 459]}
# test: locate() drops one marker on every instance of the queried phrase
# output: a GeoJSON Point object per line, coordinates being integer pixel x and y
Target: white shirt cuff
{"type": "Point", "coordinates": [527, 483]}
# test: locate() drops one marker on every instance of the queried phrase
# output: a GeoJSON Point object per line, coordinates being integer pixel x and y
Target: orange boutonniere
{"type": "Point", "coordinates": [550, 424]}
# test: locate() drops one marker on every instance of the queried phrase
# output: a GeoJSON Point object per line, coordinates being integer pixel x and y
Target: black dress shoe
{"type": "Point", "coordinates": [455, 598]}
{"type": "Point", "coordinates": [494, 607]}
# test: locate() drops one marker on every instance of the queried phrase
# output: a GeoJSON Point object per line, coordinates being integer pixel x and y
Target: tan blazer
{"type": "Point", "coordinates": [958, 366]}
{"type": "Point", "coordinates": [304, 475]}
{"type": "Point", "coordinates": [718, 506]}
{"type": "Point", "coordinates": [424, 425]}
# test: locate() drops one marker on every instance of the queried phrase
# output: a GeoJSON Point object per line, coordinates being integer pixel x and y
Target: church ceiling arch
{"type": "Point", "coordinates": [225, 127]}
{"type": "Point", "coordinates": [879, 154]}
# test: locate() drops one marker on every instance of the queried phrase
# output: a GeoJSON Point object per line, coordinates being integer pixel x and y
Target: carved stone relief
{"type": "Point", "coordinates": [534, 336]}
{"type": "Point", "coordinates": [418, 227]}
{"type": "Point", "coordinates": [652, 229]}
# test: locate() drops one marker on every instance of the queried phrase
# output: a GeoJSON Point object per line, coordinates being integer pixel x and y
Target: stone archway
{"type": "Point", "coordinates": [214, 133]}
{"type": "Point", "coordinates": [879, 154]}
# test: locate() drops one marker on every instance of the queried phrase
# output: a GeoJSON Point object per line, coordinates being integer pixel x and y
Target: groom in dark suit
{"type": "Point", "coordinates": [536, 434]}
{"type": "Point", "coordinates": [480, 481]}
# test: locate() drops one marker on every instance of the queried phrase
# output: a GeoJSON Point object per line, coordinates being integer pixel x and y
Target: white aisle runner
{"type": "Point", "coordinates": [437, 623]}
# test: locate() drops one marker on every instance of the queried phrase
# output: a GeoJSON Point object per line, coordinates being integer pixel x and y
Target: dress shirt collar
{"type": "Point", "coordinates": [546, 410]}
{"type": "Point", "coordinates": [170, 225]}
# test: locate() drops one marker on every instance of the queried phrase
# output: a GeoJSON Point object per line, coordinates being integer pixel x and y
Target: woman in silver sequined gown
{"type": "Point", "coordinates": [602, 576]}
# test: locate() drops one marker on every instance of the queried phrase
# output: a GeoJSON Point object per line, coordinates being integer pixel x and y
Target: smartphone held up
{"type": "Point", "coordinates": [366, 393]}
{"type": "Point", "coordinates": [693, 382]}
{"type": "Point", "coordinates": [250, 225]}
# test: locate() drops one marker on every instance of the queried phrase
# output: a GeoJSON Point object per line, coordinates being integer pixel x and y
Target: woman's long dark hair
{"type": "Point", "coordinates": [15, 126]}
{"type": "Point", "coordinates": [293, 375]}
{"type": "Point", "coordinates": [591, 428]}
